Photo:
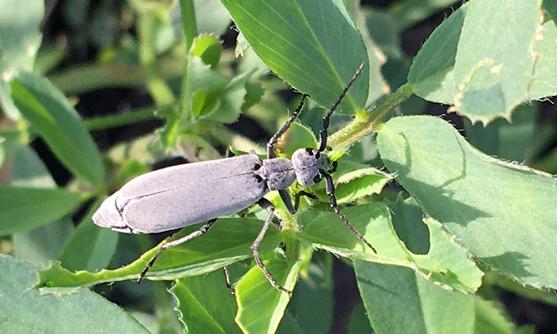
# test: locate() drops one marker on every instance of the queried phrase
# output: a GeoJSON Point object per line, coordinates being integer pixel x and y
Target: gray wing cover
{"type": "Point", "coordinates": [183, 195]}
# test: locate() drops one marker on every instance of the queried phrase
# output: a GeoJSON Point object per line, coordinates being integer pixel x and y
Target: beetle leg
{"type": "Point", "coordinates": [287, 201]}
{"type": "Point", "coordinates": [271, 145]}
{"type": "Point", "coordinates": [255, 247]}
{"type": "Point", "coordinates": [227, 280]}
{"type": "Point", "coordinates": [297, 197]}
{"type": "Point", "coordinates": [174, 243]}
{"type": "Point", "coordinates": [330, 188]}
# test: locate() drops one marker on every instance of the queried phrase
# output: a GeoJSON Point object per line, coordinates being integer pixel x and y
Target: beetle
{"type": "Point", "coordinates": [184, 195]}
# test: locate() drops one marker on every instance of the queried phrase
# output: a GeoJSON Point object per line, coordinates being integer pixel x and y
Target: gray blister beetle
{"type": "Point", "coordinates": [183, 195]}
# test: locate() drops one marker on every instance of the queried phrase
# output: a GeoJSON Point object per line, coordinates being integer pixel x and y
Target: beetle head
{"type": "Point", "coordinates": [308, 164]}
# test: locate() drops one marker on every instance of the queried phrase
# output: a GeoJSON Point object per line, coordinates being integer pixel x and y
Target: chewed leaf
{"type": "Point", "coordinates": [227, 242]}
{"type": "Point", "coordinates": [504, 214]}
{"type": "Point", "coordinates": [208, 48]}
{"type": "Point", "coordinates": [483, 63]}
{"type": "Point", "coordinates": [446, 262]}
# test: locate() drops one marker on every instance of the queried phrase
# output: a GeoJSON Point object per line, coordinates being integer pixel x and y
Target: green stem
{"type": "Point", "coordinates": [189, 25]}
{"type": "Point", "coordinates": [147, 26]}
{"type": "Point", "coordinates": [366, 122]}
{"type": "Point", "coordinates": [115, 120]}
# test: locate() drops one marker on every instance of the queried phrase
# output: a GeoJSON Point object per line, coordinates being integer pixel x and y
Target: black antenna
{"type": "Point", "coordinates": [323, 132]}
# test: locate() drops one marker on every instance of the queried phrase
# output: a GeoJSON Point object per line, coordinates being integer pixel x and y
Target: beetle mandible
{"type": "Point", "coordinates": [183, 195]}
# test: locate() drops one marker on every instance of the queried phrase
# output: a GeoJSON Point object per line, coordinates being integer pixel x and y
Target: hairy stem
{"type": "Point", "coordinates": [366, 122]}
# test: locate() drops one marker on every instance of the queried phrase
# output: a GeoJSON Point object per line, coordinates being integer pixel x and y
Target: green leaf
{"type": "Point", "coordinates": [312, 303]}
{"type": "Point", "coordinates": [24, 310]}
{"type": "Point", "coordinates": [314, 46]}
{"type": "Point", "coordinates": [445, 263]}
{"type": "Point", "coordinates": [43, 243]}
{"type": "Point", "coordinates": [261, 306]}
{"type": "Point", "coordinates": [544, 82]}
{"type": "Point", "coordinates": [227, 242]}
{"type": "Point", "coordinates": [90, 247]}
{"type": "Point", "coordinates": [289, 325]}
{"type": "Point", "coordinates": [254, 93]}
{"type": "Point", "coordinates": [20, 38]}
{"type": "Point", "coordinates": [504, 214]}
{"type": "Point", "coordinates": [550, 8]}
{"type": "Point", "coordinates": [296, 137]}
{"type": "Point", "coordinates": [355, 181]}
{"type": "Point", "coordinates": [211, 17]}
{"type": "Point", "coordinates": [205, 304]}
{"type": "Point", "coordinates": [208, 48]}
{"type": "Point", "coordinates": [20, 35]}
{"type": "Point", "coordinates": [24, 208]}
{"type": "Point", "coordinates": [399, 301]}
{"type": "Point", "coordinates": [407, 221]}
{"type": "Point", "coordinates": [490, 318]}
{"type": "Point", "coordinates": [56, 121]}
{"type": "Point", "coordinates": [231, 101]}
{"type": "Point", "coordinates": [521, 139]}
{"type": "Point", "coordinates": [359, 323]}
{"type": "Point", "coordinates": [406, 13]}
{"type": "Point", "coordinates": [376, 59]}
{"type": "Point", "coordinates": [480, 59]}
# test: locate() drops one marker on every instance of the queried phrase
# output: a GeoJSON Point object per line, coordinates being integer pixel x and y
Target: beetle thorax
{"type": "Point", "coordinates": [277, 172]}
{"type": "Point", "coordinates": [308, 165]}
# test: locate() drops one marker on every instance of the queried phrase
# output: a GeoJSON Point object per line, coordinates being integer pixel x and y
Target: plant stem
{"type": "Point", "coordinates": [189, 25]}
{"type": "Point", "coordinates": [367, 121]}
{"type": "Point", "coordinates": [115, 120]}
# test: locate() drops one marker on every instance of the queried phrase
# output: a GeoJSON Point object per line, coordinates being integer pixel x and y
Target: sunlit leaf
{"type": "Point", "coordinates": [306, 43]}
{"type": "Point", "coordinates": [446, 262]}
{"type": "Point", "coordinates": [504, 214]}
{"type": "Point", "coordinates": [24, 310]}
{"type": "Point", "coordinates": [261, 306]}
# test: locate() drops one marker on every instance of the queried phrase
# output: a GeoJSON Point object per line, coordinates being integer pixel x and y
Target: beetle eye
{"type": "Point", "coordinates": [258, 178]}
{"type": "Point", "coordinates": [256, 166]}
{"type": "Point", "coordinates": [316, 178]}
{"type": "Point", "coordinates": [309, 151]}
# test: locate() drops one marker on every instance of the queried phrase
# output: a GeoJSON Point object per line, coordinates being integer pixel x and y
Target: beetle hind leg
{"type": "Point", "coordinates": [174, 243]}
{"type": "Point", "coordinates": [255, 247]}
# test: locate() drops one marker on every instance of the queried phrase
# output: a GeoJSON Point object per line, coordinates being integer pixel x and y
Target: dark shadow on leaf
{"type": "Point", "coordinates": [437, 201]}
{"type": "Point", "coordinates": [509, 262]}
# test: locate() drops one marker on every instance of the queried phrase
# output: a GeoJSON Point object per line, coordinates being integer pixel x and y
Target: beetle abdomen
{"type": "Point", "coordinates": [183, 195]}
